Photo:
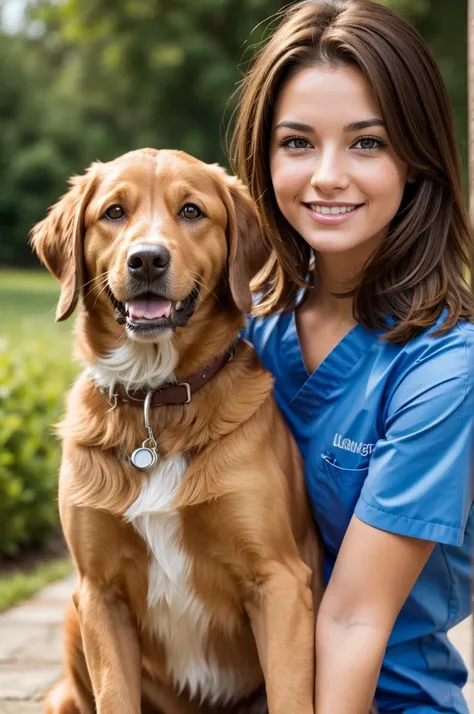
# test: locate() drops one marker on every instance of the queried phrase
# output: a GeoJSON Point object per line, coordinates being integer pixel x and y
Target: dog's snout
{"type": "Point", "coordinates": [147, 261]}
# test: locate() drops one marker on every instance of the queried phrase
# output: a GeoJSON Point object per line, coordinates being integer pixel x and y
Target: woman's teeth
{"type": "Point", "coordinates": [333, 210]}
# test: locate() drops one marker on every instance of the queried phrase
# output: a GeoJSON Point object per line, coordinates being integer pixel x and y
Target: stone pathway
{"type": "Point", "coordinates": [31, 649]}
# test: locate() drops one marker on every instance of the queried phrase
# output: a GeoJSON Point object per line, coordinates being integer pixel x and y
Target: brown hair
{"type": "Point", "coordinates": [418, 269]}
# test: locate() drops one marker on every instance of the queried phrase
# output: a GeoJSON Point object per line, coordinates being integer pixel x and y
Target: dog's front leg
{"type": "Point", "coordinates": [112, 648]}
{"type": "Point", "coordinates": [282, 619]}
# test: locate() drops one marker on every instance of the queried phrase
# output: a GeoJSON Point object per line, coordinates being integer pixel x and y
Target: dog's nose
{"type": "Point", "coordinates": [148, 261]}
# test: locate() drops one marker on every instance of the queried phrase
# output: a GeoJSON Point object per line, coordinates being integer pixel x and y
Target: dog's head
{"type": "Point", "coordinates": [149, 236]}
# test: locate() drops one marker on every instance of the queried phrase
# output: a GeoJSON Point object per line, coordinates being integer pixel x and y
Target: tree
{"type": "Point", "coordinates": [90, 79]}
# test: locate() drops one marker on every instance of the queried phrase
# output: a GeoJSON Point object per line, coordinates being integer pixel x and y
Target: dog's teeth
{"type": "Point", "coordinates": [179, 305]}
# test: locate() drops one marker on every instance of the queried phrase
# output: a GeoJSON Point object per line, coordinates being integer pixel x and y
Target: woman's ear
{"type": "Point", "coordinates": [247, 246]}
{"type": "Point", "coordinates": [58, 240]}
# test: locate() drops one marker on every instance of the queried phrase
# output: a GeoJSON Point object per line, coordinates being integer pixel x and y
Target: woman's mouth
{"type": "Point", "coordinates": [332, 214]}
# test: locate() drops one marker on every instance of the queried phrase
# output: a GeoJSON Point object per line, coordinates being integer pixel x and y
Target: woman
{"type": "Point", "coordinates": [345, 138]}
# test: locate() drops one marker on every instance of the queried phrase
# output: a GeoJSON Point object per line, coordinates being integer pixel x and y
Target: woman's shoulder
{"type": "Point", "coordinates": [443, 347]}
{"type": "Point", "coordinates": [434, 363]}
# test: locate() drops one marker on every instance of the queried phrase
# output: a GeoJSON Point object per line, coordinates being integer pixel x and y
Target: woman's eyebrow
{"type": "Point", "coordinates": [357, 125]}
{"type": "Point", "coordinates": [354, 126]}
{"type": "Point", "coordinates": [296, 125]}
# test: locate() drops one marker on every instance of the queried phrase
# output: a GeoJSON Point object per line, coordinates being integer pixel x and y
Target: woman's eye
{"type": "Point", "coordinates": [369, 143]}
{"type": "Point", "coordinates": [191, 212]}
{"type": "Point", "coordinates": [298, 142]}
{"type": "Point", "coordinates": [115, 212]}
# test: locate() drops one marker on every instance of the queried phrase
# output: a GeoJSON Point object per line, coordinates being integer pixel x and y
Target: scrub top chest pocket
{"type": "Point", "coordinates": [334, 491]}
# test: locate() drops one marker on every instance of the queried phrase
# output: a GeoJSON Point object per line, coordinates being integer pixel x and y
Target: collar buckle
{"type": "Point", "coordinates": [187, 389]}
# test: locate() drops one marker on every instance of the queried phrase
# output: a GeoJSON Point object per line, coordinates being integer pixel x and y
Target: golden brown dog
{"type": "Point", "coordinates": [195, 573]}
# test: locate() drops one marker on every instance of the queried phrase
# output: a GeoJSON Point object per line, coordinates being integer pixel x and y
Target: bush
{"type": "Point", "coordinates": [33, 381]}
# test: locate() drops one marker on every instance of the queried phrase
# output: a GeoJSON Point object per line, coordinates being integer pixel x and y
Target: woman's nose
{"type": "Point", "coordinates": [330, 172]}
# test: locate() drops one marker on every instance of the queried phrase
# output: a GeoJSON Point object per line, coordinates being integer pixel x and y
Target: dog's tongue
{"type": "Point", "coordinates": [149, 308]}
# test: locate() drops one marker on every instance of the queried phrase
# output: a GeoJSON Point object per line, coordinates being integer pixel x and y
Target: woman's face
{"type": "Point", "coordinates": [336, 178]}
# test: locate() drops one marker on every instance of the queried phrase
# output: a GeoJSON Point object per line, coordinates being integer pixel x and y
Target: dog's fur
{"type": "Point", "coordinates": [196, 580]}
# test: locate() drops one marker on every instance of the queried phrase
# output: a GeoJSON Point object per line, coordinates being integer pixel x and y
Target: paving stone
{"type": "Point", "coordinates": [469, 694]}
{"type": "Point", "coordinates": [22, 681]}
{"type": "Point", "coordinates": [13, 638]}
{"type": "Point", "coordinates": [35, 612]}
{"type": "Point", "coordinates": [46, 648]}
{"type": "Point", "coordinates": [21, 707]}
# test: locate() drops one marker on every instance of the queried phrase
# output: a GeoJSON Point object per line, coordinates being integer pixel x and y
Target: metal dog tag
{"type": "Point", "coordinates": [145, 457]}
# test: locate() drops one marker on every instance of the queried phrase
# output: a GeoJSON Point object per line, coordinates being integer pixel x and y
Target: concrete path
{"type": "Point", "coordinates": [31, 649]}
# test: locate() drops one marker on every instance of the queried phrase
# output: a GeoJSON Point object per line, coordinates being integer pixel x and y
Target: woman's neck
{"type": "Point", "coordinates": [333, 277]}
{"type": "Point", "coordinates": [339, 273]}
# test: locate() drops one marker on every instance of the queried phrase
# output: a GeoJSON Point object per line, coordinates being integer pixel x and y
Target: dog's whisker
{"type": "Point", "coordinates": [100, 293]}
{"type": "Point", "coordinates": [103, 284]}
{"type": "Point", "coordinates": [200, 280]}
{"type": "Point", "coordinates": [106, 272]}
{"type": "Point", "coordinates": [98, 285]}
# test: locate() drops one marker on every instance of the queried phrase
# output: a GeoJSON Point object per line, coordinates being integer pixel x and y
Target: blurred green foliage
{"type": "Point", "coordinates": [89, 79]}
{"type": "Point", "coordinates": [35, 372]}
{"type": "Point", "coordinates": [32, 385]}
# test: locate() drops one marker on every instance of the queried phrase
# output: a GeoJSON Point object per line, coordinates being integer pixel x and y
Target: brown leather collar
{"type": "Point", "coordinates": [179, 393]}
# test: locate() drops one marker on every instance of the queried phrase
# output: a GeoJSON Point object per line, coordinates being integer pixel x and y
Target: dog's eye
{"type": "Point", "coordinates": [190, 211]}
{"type": "Point", "coordinates": [115, 212]}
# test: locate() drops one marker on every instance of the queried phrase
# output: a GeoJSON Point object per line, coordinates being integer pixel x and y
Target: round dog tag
{"type": "Point", "coordinates": [144, 458]}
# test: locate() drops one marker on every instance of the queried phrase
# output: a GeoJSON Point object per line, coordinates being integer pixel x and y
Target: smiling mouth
{"type": "Point", "coordinates": [336, 210]}
{"type": "Point", "coordinates": [152, 312]}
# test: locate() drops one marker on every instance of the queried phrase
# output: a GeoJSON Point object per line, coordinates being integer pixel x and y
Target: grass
{"type": "Point", "coordinates": [20, 586]}
{"type": "Point", "coordinates": [27, 305]}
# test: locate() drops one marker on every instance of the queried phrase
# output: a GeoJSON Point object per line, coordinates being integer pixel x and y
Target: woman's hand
{"type": "Point", "coordinates": [373, 575]}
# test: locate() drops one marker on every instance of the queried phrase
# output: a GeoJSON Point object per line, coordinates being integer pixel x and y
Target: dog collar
{"type": "Point", "coordinates": [174, 393]}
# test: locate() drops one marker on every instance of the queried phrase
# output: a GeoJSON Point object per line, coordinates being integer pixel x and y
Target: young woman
{"type": "Point", "coordinates": [345, 138]}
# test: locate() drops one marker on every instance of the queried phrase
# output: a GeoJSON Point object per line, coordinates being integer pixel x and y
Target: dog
{"type": "Point", "coordinates": [181, 491]}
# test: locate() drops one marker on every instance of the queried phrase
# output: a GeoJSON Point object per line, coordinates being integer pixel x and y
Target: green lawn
{"type": "Point", "coordinates": [27, 304]}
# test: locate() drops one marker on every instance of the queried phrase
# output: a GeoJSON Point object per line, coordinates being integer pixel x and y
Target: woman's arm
{"type": "Point", "coordinates": [373, 575]}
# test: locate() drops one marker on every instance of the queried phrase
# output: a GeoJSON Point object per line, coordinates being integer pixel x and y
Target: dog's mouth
{"type": "Point", "coordinates": [152, 312]}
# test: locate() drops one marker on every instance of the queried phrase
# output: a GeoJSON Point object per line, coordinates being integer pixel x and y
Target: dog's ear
{"type": "Point", "coordinates": [248, 248]}
{"type": "Point", "coordinates": [58, 240]}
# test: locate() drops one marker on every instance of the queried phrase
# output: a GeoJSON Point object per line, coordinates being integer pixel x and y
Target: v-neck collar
{"type": "Point", "coordinates": [312, 389]}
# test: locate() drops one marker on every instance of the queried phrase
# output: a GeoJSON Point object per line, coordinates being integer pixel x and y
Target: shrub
{"type": "Point", "coordinates": [34, 376]}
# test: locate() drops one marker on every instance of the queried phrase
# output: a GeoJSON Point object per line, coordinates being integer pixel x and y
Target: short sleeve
{"type": "Point", "coordinates": [419, 481]}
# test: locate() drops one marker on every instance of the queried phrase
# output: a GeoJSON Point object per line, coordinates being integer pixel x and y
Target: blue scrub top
{"type": "Point", "coordinates": [386, 432]}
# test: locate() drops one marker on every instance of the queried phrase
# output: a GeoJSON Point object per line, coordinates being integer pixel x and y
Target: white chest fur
{"type": "Point", "coordinates": [175, 614]}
